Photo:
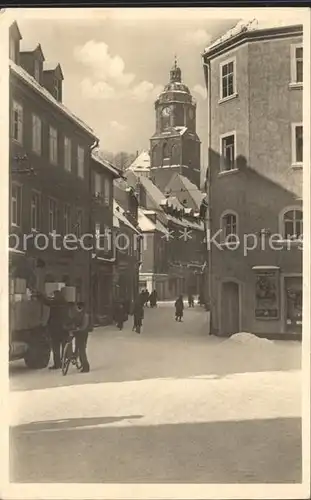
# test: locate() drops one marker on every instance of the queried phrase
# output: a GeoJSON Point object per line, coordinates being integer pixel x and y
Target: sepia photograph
{"type": "Point", "coordinates": [155, 216]}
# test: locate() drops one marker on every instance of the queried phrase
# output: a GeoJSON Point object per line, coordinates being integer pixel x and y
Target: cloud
{"type": "Point", "coordinates": [145, 90]}
{"type": "Point", "coordinates": [198, 37]}
{"type": "Point", "coordinates": [108, 79]}
{"type": "Point", "coordinates": [200, 90]}
{"type": "Point", "coordinates": [98, 90]}
{"type": "Point", "coordinates": [104, 66]}
{"type": "Point", "coordinates": [117, 126]}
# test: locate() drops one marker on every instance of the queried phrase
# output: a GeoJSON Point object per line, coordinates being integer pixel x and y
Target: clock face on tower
{"type": "Point", "coordinates": [166, 111]}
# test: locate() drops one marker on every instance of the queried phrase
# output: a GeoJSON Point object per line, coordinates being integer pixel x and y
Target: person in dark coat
{"type": "Point", "coordinates": [190, 300]}
{"type": "Point", "coordinates": [120, 315]}
{"type": "Point", "coordinates": [179, 308]}
{"type": "Point", "coordinates": [81, 332]}
{"type": "Point", "coordinates": [138, 314]}
{"type": "Point", "coordinates": [142, 297]}
{"type": "Point", "coordinates": [146, 295]}
{"type": "Point", "coordinates": [153, 299]}
{"type": "Point", "coordinates": [57, 324]}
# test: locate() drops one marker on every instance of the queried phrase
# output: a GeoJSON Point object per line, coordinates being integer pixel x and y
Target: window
{"type": "Point", "coordinates": [292, 224]}
{"type": "Point", "coordinates": [17, 122]}
{"type": "Point", "coordinates": [67, 154]}
{"type": "Point", "coordinates": [106, 191]}
{"type": "Point", "coordinates": [67, 219]}
{"type": "Point", "coordinates": [53, 212]}
{"type": "Point", "coordinates": [16, 204]}
{"type": "Point", "coordinates": [297, 64]}
{"type": "Point", "coordinates": [229, 226]}
{"type": "Point", "coordinates": [80, 162]}
{"type": "Point", "coordinates": [36, 134]}
{"type": "Point", "coordinates": [297, 143]}
{"type": "Point", "coordinates": [37, 70]}
{"type": "Point", "coordinates": [35, 211]}
{"type": "Point", "coordinates": [227, 152]}
{"type": "Point", "coordinates": [79, 223]}
{"type": "Point", "coordinates": [227, 79]}
{"type": "Point", "coordinates": [97, 183]}
{"type": "Point", "coordinates": [53, 145]}
{"type": "Point", "coordinates": [12, 50]}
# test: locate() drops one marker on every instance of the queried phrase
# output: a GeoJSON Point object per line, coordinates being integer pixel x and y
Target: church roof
{"type": "Point", "coordinates": [176, 87]}
{"type": "Point", "coordinates": [142, 162]}
{"type": "Point", "coordinates": [192, 189]}
{"type": "Point", "coordinates": [153, 190]}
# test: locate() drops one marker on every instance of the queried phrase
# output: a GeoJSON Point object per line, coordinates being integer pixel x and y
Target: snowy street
{"type": "Point", "coordinates": [170, 405]}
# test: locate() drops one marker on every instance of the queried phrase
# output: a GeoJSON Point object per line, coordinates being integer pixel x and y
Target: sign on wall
{"type": "Point", "coordinates": [267, 294]}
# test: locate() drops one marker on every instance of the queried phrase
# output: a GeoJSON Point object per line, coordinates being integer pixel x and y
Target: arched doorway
{"type": "Point", "coordinates": [230, 308]}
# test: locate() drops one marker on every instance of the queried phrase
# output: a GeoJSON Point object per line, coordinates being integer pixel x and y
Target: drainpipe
{"type": "Point", "coordinates": [91, 230]}
{"type": "Point", "coordinates": [207, 76]}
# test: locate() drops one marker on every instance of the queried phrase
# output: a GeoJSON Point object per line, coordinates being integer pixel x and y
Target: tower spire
{"type": "Point", "coordinates": [175, 61]}
{"type": "Point", "coordinates": [175, 74]}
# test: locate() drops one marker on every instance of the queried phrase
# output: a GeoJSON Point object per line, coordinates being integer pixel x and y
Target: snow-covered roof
{"type": "Point", "coordinates": [142, 162]}
{"type": "Point", "coordinates": [193, 190]}
{"type": "Point", "coordinates": [97, 156]}
{"type": "Point", "coordinates": [28, 47]}
{"type": "Point", "coordinates": [246, 25]}
{"type": "Point", "coordinates": [29, 80]}
{"type": "Point", "coordinates": [145, 224]}
{"type": "Point", "coordinates": [120, 214]}
{"type": "Point", "coordinates": [50, 65]}
{"type": "Point", "coordinates": [152, 189]}
{"type": "Point", "coordinates": [172, 201]}
{"type": "Point", "coordinates": [181, 130]}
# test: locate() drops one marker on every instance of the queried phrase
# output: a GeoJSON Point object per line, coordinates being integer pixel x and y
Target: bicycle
{"type": "Point", "coordinates": [70, 354]}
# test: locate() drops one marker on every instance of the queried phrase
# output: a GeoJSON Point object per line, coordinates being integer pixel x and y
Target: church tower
{"type": "Point", "coordinates": [175, 145]}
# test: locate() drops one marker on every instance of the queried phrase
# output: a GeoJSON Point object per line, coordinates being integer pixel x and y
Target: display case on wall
{"type": "Point", "coordinates": [267, 293]}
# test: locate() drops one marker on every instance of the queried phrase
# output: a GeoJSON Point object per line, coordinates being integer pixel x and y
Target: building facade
{"type": "Point", "coordinates": [104, 253]}
{"type": "Point", "coordinates": [50, 151]}
{"type": "Point", "coordinates": [127, 238]}
{"type": "Point", "coordinates": [254, 77]}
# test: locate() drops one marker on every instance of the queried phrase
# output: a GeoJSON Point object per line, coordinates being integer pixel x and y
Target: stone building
{"type": "Point", "coordinates": [50, 155]}
{"type": "Point", "coordinates": [104, 253]}
{"type": "Point", "coordinates": [254, 78]}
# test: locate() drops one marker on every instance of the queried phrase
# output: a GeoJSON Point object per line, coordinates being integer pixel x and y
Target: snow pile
{"type": "Point", "coordinates": [250, 339]}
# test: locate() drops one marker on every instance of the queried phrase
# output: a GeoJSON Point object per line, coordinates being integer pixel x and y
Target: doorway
{"type": "Point", "coordinates": [230, 308]}
{"type": "Point", "coordinates": [293, 304]}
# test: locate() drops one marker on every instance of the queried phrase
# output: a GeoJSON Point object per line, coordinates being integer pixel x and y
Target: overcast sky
{"type": "Point", "coordinates": [116, 61]}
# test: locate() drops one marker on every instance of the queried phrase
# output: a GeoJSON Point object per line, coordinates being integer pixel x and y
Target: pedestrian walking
{"type": "Point", "coordinates": [120, 315]}
{"type": "Point", "coordinates": [153, 298]}
{"type": "Point", "coordinates": [147, 296]}
{"type": "Point", "coordinates": [179, 308]}
{"type": "Point", "coordinates": [81, 332]}
{"type": "Point", "coordinates": [57, 324]}
{"type": "Point", "coordinates": [138, 315]}
{"type": "Point", "coordinates": [190, 300]}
